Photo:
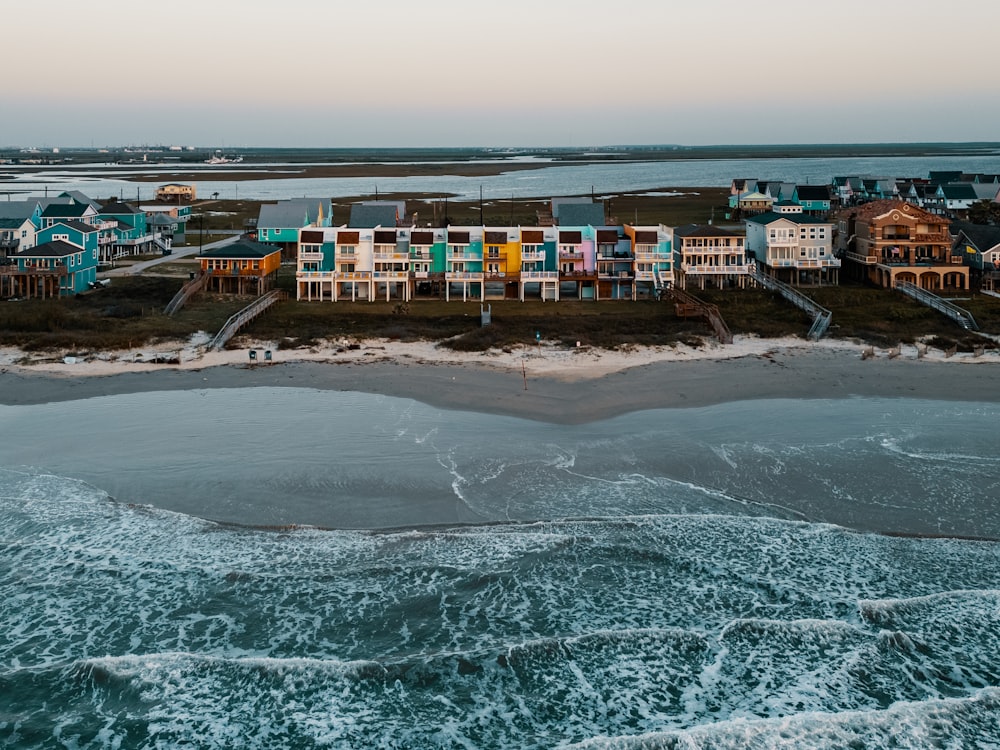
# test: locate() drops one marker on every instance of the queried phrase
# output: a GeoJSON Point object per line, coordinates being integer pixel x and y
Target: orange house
{"type": "Point", "coordinates": [889, 240]}
{"type": "Point", "coordinates": [243, 267]}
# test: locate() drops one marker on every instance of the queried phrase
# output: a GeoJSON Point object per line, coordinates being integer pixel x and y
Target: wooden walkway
{"type": "Point", "coordinates": [244, 316]}
{"type": "Point", "coordinates": [820, 315]}
{"type": "Point", "coordinates": [688, 306]}
{"type": "Point", "coordinates": [187, 291]}
{"type": "Point", "coordinates": [959, 315]}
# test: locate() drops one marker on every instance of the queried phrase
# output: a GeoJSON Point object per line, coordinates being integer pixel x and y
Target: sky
{"type": "Point", "coordinates": [388, 73]}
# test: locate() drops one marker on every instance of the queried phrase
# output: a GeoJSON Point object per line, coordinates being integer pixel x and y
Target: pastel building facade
{"type": "Point", "coordinates": [793, 247]}
{"type": "Point", "coordinates": [889, 241]}
{"type": "Point", "coordinates": [470, 262]}
{"type": "Point", "coordinates": [709, 256]}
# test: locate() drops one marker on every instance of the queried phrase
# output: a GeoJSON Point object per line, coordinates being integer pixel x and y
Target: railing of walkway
{"type": "Point", "coordinates": [959, 315]}
{"type": "Point", "coordinates": [820, 315]}
{"type": "Point", "coordinates": [187, 291]}
{"type": "Point", "coordinates": [244, 316]}
{"type": "Point", "coordinates": [687, 305]}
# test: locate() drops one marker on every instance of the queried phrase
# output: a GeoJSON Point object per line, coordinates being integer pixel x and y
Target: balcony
{"type": "Point", "coordinates": [420, 254]}
{"type": "Point", "coordinates": [397, 275]}
{"type": "Point", "coordinates": [347, 255]}
{"type": "Point", "coordinates": [868, 260]}
{"type": "Point", "coordinates": [390, 256]}
{"type": "Point", "coordinates": [570, 255]}
{"type": "Point", "coordinates": [717, 270]}
{"type": "Point", "coordinates": [352, 275]}
{"type": "Point", "coordinates": [539, 275]}
{"type": "Point", "coordinates": [464, 255]}
{"type": "Point", "coordinates": [310, 255]}
{"type": "Point", "coordinates": [314, 275]}
{"type": "Point", "coordinates": [652, 256]}
{"type": "Point", "coordinates": [463, 276]}
{"type": "Point", "coordinates": [501, 275]}
{"type": "Point", "coordinates": [532, 255]}
{"type": "Point", "coordinates": [235, 271]}
{"type": "Point", "coordinates": [57, 270]}
{"type": "Point", "coordinates": [803, 263]}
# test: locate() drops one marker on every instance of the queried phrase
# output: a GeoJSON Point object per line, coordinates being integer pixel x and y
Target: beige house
{"type": "Point", "coordinates": [709, 256]}
{"type": "Point", "coordinates": [175, 193]}
{"type": "Point", "coordinates": [888, 241]}
{"type": "Point", "coordinates": [793, 247]}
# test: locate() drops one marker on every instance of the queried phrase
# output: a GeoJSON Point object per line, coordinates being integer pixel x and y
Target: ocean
{"type": "Point", "coordinates": [294, 568]}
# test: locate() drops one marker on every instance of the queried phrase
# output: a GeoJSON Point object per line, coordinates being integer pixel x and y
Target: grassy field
{"type": "Point", "coordinates": [129, 314]}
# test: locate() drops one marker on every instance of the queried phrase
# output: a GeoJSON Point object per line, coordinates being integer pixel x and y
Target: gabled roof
{"type": "Point", "coordinates": [581, 215]}
{"type": "Point", "coordinates": [702, 230]}
{"type": "Point", "coordinates": [293, 213]}
{"type": "Point", "coordinates": [876, 209]}
{"type": "Point", "coordinates": [983, 238]}
{"type": "Point", "coordinates": [119, 208]}
{"type": "Point", "coordinates": [958, 191]}
{"type": "Point", "coordinates": [17, 209]}
{"type": "Point", "coordinates": [79, 197]}
{"type": "Point", "coordinates": [242, 250]}
{"type": "Point", "coordinates": [755, 196]}
{"type": "Point", "coordinates": [986, 191]}
{"type": "Point", "coordinates": [813, 192]}
{"type": "Point", "coordinates": [12, 222]}
{"type": "Point", "coordinates": [54, 249]}
{"type": "Point", "coordinates": [771, 216]}
{"type": "Point", "coordinates": [946, 175]}
{"type": "Point", "coordinates": [371, 215]}
{"type": "Point", "coordinates": [65, 210]}
{"type": "Point", "coordinates": [80, 226]}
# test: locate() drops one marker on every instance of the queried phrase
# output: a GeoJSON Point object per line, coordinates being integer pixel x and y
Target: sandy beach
{"type": "Point", "coordinates": [545, 383]}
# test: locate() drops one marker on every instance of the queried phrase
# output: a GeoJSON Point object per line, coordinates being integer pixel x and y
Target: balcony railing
{"type": "Point", "coordinates": [397, 275]}
{"type": "Point", "coordinates": [463, 276]}
{"type": "Point", "coordinates": [312, 255]}
{"type": "Point", "coordinates": [420, 254]}
{"type": "Point", "coordinates": [391, 256]}
{"type": "Point", "coordinates": [352, 275]}
{"type": "Point", "coordinates": [715, 269]}
{"type": "Point", "coordinates": [532, 255]}
{"type": "Point", "coordinates": [868, 260]}
{"type": "Point", "coordinates": [58, 270]}
{"type": "Point", "coordinates": [803, 263]}
{"type": "Point", "coordinates": [315, 275]}
{"type": "Point", "coordinates": [574, 255]}
{"type": "Point", "coordinates": [539, 275]}
{"type": "Point", "coordinates": [464, 255]}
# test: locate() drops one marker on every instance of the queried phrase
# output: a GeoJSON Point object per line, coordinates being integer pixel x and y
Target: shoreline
{"type": "Point", "coordinates": [549, 384]}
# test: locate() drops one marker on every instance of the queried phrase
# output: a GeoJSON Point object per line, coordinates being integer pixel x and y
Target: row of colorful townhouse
{"type": "Point", "coordinates": [548, 263]}
{"type": "Point", "coordinates": [53, 246]}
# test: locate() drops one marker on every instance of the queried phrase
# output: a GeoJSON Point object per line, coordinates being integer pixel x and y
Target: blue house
{"type": "Point", "coordinates": [279, 223]}
{"type": "Point", "coordinates": [132, 235]}
{"type": "Point", "coordinates": [63, 262]}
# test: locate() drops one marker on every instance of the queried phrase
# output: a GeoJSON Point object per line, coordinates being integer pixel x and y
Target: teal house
{"type": "Point", "coordinates": [63, 262]}
{"type": "Point", "coordinates": [279, 223]}
{"type": "Point", "coordinates": [132, 235]}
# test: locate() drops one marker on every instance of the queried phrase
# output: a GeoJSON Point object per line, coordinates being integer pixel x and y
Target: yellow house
{"type": "Point", "coordinates": [175, 193]}
{"type": "Point", "coordinates": [501, 262]}
{"type": "Point", "coordinates": [243, 267]}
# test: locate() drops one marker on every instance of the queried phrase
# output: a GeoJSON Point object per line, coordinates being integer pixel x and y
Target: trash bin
{"type": "Point", "coordinates": [253, 355]}
{"type": "Point", "coordinates": [267, 355]}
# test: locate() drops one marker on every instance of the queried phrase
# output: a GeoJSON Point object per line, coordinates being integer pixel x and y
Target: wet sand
{"type": "Point", "coordinates": [564, 388]}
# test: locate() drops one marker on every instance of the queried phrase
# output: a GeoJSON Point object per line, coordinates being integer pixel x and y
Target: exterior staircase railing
{"type": "Point", "coordinates": [820, 315]}
{"type": "Point", "coordinates": [959, 315]}
{"type": "Point", "coordinates": [244, 316]}
{"type": "Point", "coordinates": [187, 291]}
{"type": "Point", "coordinates": [689, 306]}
